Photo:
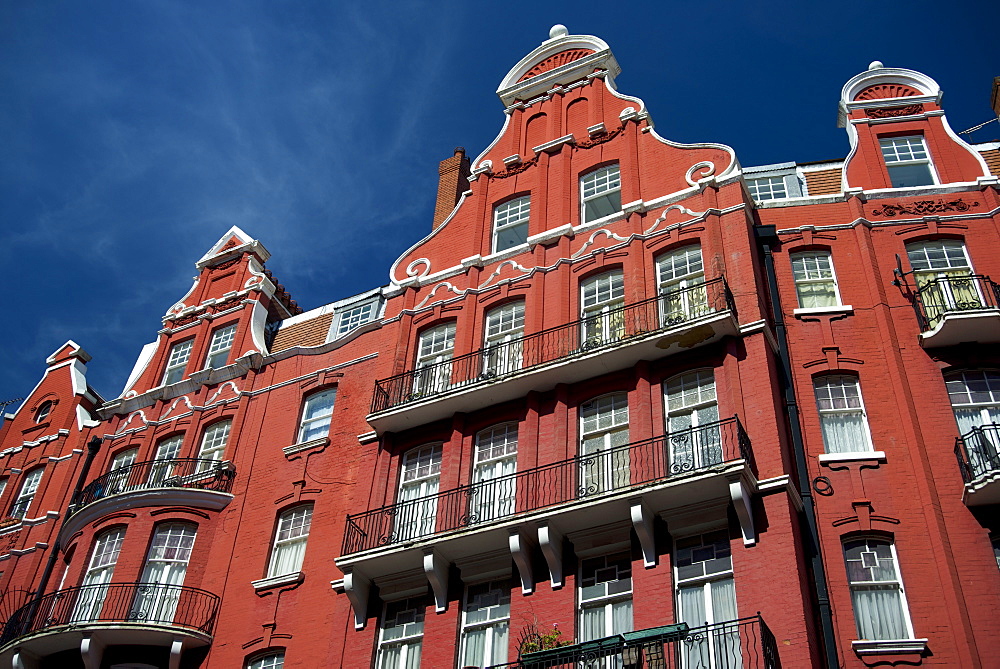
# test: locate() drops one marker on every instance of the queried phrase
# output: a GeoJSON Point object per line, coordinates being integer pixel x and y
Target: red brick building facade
{"type": "Point", "coordinates": [627, 396]}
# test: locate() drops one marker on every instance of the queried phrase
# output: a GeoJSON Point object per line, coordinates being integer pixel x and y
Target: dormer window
{"type": "Point", "coordinates": [907, 160]}
{"type": "Point", "coordinates": [600, 193]}
{"type": "Point", "coordinates": [43, 411]}
{"type": "Point", "coordinates": [177, 362]}
{"type": "Point", "coordinates": [355, 317]}
{"type": "Point", "coordinates": [767, 188]}
{"type": "Point", "coordinates": [218, 350]}
{"type": "Point", "coordinates": [510, 224]}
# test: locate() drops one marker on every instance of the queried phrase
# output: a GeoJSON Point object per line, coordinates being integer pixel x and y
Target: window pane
{"type": "Point", "coordinates": [510, 224]}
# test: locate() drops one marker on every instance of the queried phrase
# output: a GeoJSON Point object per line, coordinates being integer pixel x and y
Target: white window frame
{"type": "Point", "coordinates": [269, 661]}
{"type": "Point", "coordinates": [120, 472]}
{"type": "Point", "coordinates": [718, 635]}
{"type": "Point", "coordinates": [691, 403]}
{"type": "Point", "coordinates": [165, 570]}
{"type": "Point", "coordinates": [896, 584]}
{"type": "Point", "coordinates": [100, 571]}
{"type": "Point", "coordinates": [352, 318]}
{"type": "Point", "coordinates": [830, 413]}
{"type": "Point", "coordinates": [495, 624]}
{"type": "Point", "coordinates": [419, 482]}
{"type": "Point", "coordinates": [613, 595]}
{"type": "Point", "coordinates": [315, 416]}
{"type": "Point", "coordinates": [213, 443]}
{"type": "Point", "coordinates": [167, 451]}
{"type": "Point", "coordinates": [44, 409]}
{"type": "Point", "coordinates": [512, 215]}
{"type": "Point", "coordinates": [495, 458]}
{"type": "Point", "coordinates": [944, 296]}
{"type": "Point", "coordinates": [411, 635]}
{"type": "Point", "coordinates": [503, 338]}
{"type": "Point", "coordinates": [763, 188]}
{"type": "Point", "coordinates": [291, 535]}
{"type": "Point", "coordinates": [806, 274]}
{"type": "Point", "coordinates": [180, 354]}
{"type": "Point", "coordinates": [220, 346]}
{"type": "Point", "coordinates": [678, 273]}
{"type": "Point", "coordinates": [893, 156]}
{"type": "Point", "coordinates": [435, 348]}
{"type": "Point", "coordinates": [29, 487]}
{"type": "Point", "coordinates": [604, 183]}
{"type": "Point", "coordinates": [602, 298]}
{"type": "Point", "coordinates": [602, 421]}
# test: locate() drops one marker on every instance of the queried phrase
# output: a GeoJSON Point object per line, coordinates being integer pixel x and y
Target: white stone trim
{"type": "Point", "coordinates": [275, 581]}
{"type": "Point", "coordinates": [826, 458]}
{"type": "Point", "coordinates": [813, 311]}
{"type": "Point", "coordinates": [889, 647]}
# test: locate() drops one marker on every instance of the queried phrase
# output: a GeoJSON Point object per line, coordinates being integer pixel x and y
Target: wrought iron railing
{"type": "Point", "coordinates": [173, 473]}
{"type": "Point", "coordinates": [746, 643]}
{"type": "Point", "coordinates": [978, 451]}
{"type": "Point", "coordinates": [583, 476]}
{"type": "Point", "coordinates": [578, 337]}
{"type": "Point", "coordinates": [945, 295]}
{"type": "Point", "coordinates": [123, 603]}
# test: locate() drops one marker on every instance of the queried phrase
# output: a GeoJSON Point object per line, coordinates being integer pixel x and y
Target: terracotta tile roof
{"type": "Point", "coordinates": [307, 333]}
{"type": "Point", "coordinates": [992, 158]}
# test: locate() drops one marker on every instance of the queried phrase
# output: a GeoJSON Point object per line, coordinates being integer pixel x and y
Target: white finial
{"type": "Point", "coordinates": [558, 30]}
{"type": "Point", "coordinates": [875, 65]}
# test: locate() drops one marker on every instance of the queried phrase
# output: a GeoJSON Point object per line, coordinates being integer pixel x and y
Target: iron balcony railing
{"type": "Point", "coordinates": [978, 451]}
{"type": "Point", "coordinates": [946, 295]}
{"type": "Point", "coordinates": [564, 341]}
{"type": "Point", "coordinates": [580, 477]}
{"type": "Point", "coordinates": [746, 643]}
{"type": "Point", "coordinates": [173, 473]}
{"type": "Point", "coordinates": [123, 603]}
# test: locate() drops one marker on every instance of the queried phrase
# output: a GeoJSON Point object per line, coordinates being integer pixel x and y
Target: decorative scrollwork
{"type": "Point", "coordinates": [514, 169]}
{"type": "Point", "coordinates": [599, 138]}
{"type": "Point", "coordinates": [924, 207]}
{"type": "Point", "coordinates": [681, 467]}
{"type": "Point", "coordinates": [892, 112]}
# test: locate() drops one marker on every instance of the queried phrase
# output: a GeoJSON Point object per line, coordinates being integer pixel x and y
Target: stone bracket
{"type": "Point", "coordinates": [436, 569]}
{"type": "Point", "coordinates": [176, 649]}
{"type": "Point", "coordinates": [356, 587]}
{"type": "Point", "coordinates": [642, 521]}
{"type": "Point", "coordinates": [551, 542]}
{"type": "Point", "coordinates": [521, 554]}
{"type": "Point", "coordinates": [740, 495]}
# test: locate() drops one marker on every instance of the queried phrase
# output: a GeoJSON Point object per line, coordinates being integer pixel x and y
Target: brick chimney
{"type": "Point", "coordinates": [453, 180]}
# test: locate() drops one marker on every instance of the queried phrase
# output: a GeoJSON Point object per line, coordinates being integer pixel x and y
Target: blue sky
{"type": "Point", "coordinates": [134, 134]}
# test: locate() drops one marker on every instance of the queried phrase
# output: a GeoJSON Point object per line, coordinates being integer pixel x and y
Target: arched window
{"type": "Point", "coordinates": [269, 661]}
{"type": "Point", "coordinates": [604, 461]}
{"type": "Point", "coordinates": [602, 298]}
{"type": "Point", "coordinates": [880, 609]}
{"type": "Point", "coordinates": [693, 430]}
{"type": "Point", "coordinates": [503, 344]}
{"type": "Point", "coordinates": [43, 411]}
{"type": "Point", "coordinates": [101, 568]}
{"type": "Point", "coordinates": [434, 352]}
{"type": "Point", "coordinates": [120, 475]}
{"type": "Point", "coordinates": [494, 492]}
{"type": "Point", "coordinates": [290, 541]}
{"type": "Point", "coordinates": [681, 278]}
{"type": "Point", "coordinates": [165, 460]}
{"type": "Point", "coordinates": [600, 193]}
{"type": "Point", "coordinates": [165, 570]}
{"type": "Point", "coordinates": [24, 498]}
{"type": "Point", "coordinates": [316, 415]}
{"type": "Point", "coordinates": [416, 511]}
{"type": "Point", "coordinates": [842, 414]}
{"type": "Point", "coordinates": [213, 444]}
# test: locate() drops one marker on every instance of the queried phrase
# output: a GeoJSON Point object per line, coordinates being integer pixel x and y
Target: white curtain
{"type": "Point", "coordinates": [878, 611]}
{"type": "Point", "coordinates": [475, 648]}
{"type": "Point", "coordinates": [844, 432]}
{"type": "Point", "coordinates": [499, 649]}
{"type": "Point", "coordinates": [592, 625]}
{"type": "Point", "coordinates": [288, 557]}
{"type": "Point", "coordinates": [726, 641]}
{"type": "Point", "coordinates": [417, 515]}
{"type": "Point", "coordinates": [621, 617]}
{"type": "Point", "coordinates": [90, 600]}
{"type": "Point", "coordinates": [158, 603]}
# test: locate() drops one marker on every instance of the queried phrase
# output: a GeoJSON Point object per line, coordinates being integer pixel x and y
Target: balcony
{"type": "Point", "coordinates": [92, 617]}
{"type": "Point", "coordinates": [204, 484]}
{"type": "Point", "coordinates": [685, 477]}
{"type": "Point", "coordinates": [956, 309]}
{"type": "Point", "coordinates": [655, 327]}
{"type": "Point", "coordinates": [978, 453]}
{"type": "Point", "coordinates": [746, 643]}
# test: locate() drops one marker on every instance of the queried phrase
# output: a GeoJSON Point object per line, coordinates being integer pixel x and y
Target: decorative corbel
{"type": "Point", "coordinates": [176, 650]}
{"type": "Point", "coordinates": [356, 587]}
{"type": "Point", "coordinates": [643, 524]}
{"type": "Point", "coordinates": [744, 510]}
{"type": "Point", "coordinates": [91, 651]}
{"type": "Point", "coordinates": [436, 569]}
{"type": "Point", "coordinates": [522, 558]}
{"type": "Point", "coordinates": [551, 542]}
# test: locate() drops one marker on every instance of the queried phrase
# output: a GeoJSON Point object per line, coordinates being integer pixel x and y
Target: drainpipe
{"type": "Point", "coordinates": [93, 446]}
{"type": "Point", "coordinates": [767, 237]}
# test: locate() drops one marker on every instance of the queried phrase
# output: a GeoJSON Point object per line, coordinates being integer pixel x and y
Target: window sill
{"type": "Point", "coordinates": [850, 457]}
{"type": "Point", "coordinates": [815, 311]}
{"type": "Point", "coordinates": [294, 578]}
{"type": "Point", "coordinates": [303, 446]}
{"type": "Point", "coordinates": [890, 647]}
